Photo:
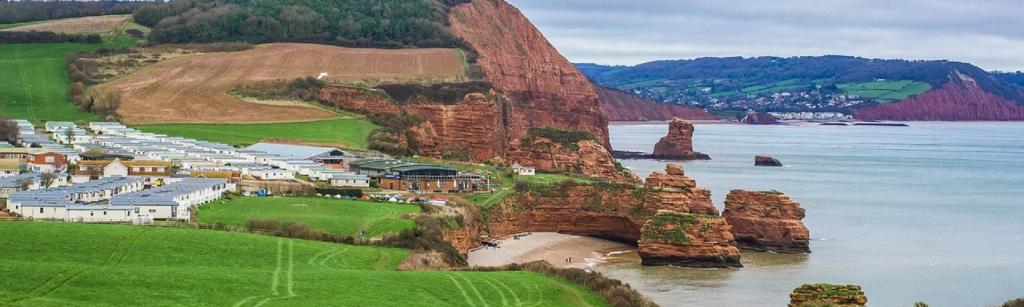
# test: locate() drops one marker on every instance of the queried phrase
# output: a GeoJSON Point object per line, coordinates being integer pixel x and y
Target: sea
{"type": "Point", "coordinates": [933, 212]}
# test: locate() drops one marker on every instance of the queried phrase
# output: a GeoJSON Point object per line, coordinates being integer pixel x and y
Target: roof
{"type": "Point", "coordinates": [10, 164]}
{"type": "Point", "coordinates": [12, 181]}
{"type": "Point", "coordinates": [349, 176]}
{"type": "Point", "coordinates": [290, 151]}
{"type": "Point", "coordinates": [421, 167]}
{"type": "Point", "coordinates": [379, 164]}
{"type": "Point", "coordinates": [164, 195]}
{"type": "Point", "coordinates": [61, 197]}
{"type": "Point", "coordinates": [147, 163]}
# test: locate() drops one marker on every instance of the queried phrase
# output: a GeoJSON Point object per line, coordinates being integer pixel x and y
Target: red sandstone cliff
{"type": "Point", "coordinates": [544, 88]}
{"type": "Point", "coordinates": [689, 240]}
{"type": "Point", "coordinates": [678, 143]}
{"type": "Point", "coordinates": [766, 221]}
{"type": "Point", "coordinates": [611, 211]}
{"type": "Point", "coordinates": [961, 99]}
{"type": "Point", "coordinates": [624, 106]}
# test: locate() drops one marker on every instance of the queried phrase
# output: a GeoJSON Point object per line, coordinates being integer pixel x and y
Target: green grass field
{"type": "Point", "coordinates": [343, 132]}
{"type": "Point", "coordinates": [35, 78]}
{"type": "Point", "coordinates": [53, 264]}
{"type": "Point", "coordinates": [333, 216]}
{"type": "Point", "coordinates": [885, 91]}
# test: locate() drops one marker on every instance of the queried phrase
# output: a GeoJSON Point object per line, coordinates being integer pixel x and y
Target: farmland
{"type": "Point", "coordinates": [79, 25]}
{"type": "Point", "coordinates": [333, 216]}
{"type": "Point", "coordinates": [80, 264]}
{"type": "Point", "coordinates": [348, 133]}
{"type": "Point", "coordinates": [194, 89]}
{"type": "Point", "coordinates": [35, 78]}
{"type": "Point", "coordinates": [885, 91]}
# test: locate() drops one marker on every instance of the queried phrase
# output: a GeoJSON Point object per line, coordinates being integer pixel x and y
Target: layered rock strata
{"type": "Point", "coordinates": [688, 240]}
{"type": "Point", "coordinates": [678, 143]}
{"type": "Point", "coordinates": [766, 221]}
{"type": "Point", "coordinates": [617, 212]}
{"type": "Point", "coordinates": [828, 295]}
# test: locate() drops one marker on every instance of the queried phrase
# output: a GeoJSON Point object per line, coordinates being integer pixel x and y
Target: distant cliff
{"type": "Point", "coordinates": [626, 107]}
{"type": "Point", "coordinates": [960, 100]}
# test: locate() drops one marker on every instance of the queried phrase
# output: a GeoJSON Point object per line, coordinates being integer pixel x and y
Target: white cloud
{"type": "Point", "coordinates": [984, 33]}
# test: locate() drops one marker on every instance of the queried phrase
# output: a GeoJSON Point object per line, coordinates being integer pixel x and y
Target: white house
{"type": "Point", "coordinates": [273, 174]}
{"type": "Point", "coordinates": [350, 180]}
{"type": "Point", "coordinates": [523, 170]}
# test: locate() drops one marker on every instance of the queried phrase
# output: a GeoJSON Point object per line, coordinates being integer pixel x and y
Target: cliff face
{"type": "Point", "coordinates": [611, 211]}
{"type": "Point", "coordinates": [766, 221]}
{"type": "Point", "coordinates": [827, 295]}
{"type": "Point", "coordinates": [468, 126]}
{"type": "Point", "coordinates": [690, 240]}
{"type": "Point", "coordinates": [359, 100]}
{"type": "Point", "coordinates": [961, 99]}
{"type": "Point", "coordinates": [586, 157]}
{"type": "Point", "coordinates": [544, 88]}
{"type": "Point", "coordinates": [624, 106]}
{"type": "Point", "coordinates": [678, 143]}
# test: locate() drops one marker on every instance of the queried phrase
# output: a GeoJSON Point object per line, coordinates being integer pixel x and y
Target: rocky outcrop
{"type": "Point", "coordinates": [827, 295]}
{"type": "Point", "coordinates": [766, 161]}
{"type": "Point", "coordinates": [689, 240]}
{"type": "Point", "coordinates": [463, 129]}
{"type": "Point", "coordinates": [605, 210]}
{"type": "Point", "coordinates": [544, 88]}
{"type": "Point", "coordinates": [766, 221]}
{"type": "Point", "coordinates": [358, 100]}
{"type": "Point", "coordinates": [586, 157]}
{"type": "Point", "coordinates": [958, 100]}
{"type": "Point", "coordinates": [678, 143]}
{"type": "Point", "coordinates": [625, 106]}
{"type": "Point", "coordinates": [755, 118]}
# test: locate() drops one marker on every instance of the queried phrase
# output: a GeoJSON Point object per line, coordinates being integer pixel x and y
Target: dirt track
{"type": "Point", "coordinates": [79, 25]}
{"type": "Point", "coordinates": [193, 89]}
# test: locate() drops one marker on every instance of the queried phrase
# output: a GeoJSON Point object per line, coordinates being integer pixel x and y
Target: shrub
{"type": "Point", "coordinates": [11, 37]}
{"type": "Point", "coordinates": [446, 93]}
{"type": "Point", "coordinates": [615, 292]}
{"type": "Point", "coordinates": [564, 137]}
{"type": "Point", "coordinates": [1014, 303]}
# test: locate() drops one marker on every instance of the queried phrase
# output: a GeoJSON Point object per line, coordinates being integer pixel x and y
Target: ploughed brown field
{"type": "Point", "coordinates": [78, 25]}
{"type": "Point", "coordinates": [194, 89]}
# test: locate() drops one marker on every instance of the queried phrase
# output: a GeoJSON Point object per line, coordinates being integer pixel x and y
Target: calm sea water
{"type": "Point", "coordinates": [933, 212]}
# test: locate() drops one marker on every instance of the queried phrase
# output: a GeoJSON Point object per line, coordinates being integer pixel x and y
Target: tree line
{"type": "Point", "coordinates": [361, 23]}
{"type": "Point", "coordinates": [24, 11]}
{"type": "Point", "coordinates": [17, 37]}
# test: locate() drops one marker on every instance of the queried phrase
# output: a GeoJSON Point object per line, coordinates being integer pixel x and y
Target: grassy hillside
{"type": "Point", "coordinates": [347, 132]}
{"type": "Point", "coordinates": [885, 91]}
{"type": "Point", "coordinates": [333, 216]}
{"type": "Point", "coordinates": [78, 264]}
{"type": "Point", "coordinates": [35, 78]}
{"type": "Point", "coordinates": [813, 83]}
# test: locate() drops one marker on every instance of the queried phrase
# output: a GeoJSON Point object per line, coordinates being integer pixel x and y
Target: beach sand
{"type": "Point", "coordinates": [586, 252]}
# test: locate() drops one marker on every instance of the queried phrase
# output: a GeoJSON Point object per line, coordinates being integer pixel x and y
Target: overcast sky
{"type": "Point", "coordinates": [987, 33]}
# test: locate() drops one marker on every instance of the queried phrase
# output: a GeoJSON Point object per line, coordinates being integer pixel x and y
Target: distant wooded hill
{"type": "Point", "coordinates": [25, 11]}
{"type": "Point", "coordinates": [822, 83]}
{"type": "Point", "coordinates": [364, 23]}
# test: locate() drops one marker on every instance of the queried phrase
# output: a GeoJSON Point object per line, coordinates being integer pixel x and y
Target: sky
{"type": "Point", "coordinates": [986, 33]}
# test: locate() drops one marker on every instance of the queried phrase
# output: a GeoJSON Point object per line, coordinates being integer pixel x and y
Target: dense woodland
{"type": "Point", "coordinates": [365, 23]}
{"type": "Point", "coordinates": [23, 11]}
{"type": "Point", "coordinates": [1015, 78]}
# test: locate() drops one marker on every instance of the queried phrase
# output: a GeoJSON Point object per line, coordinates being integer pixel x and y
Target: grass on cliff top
{"type": "Point", "coordinates": [334, 216]}
{"type": "Point", "coordinates": [345, 132]}
{"type": "Point", "coordinates": [57, 264]}
{"type": "Point", "coordinates": [35, 78]}
{"type": "Point", "coordinates": [885, 91]}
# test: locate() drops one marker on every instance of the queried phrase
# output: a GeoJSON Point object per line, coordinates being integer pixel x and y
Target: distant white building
{"type": "Point", "coordinates": [350, 180]}
{"type": "Point", "coordinates": [273, 174]}
{"type": "Point", "coordinates": [523, 170]}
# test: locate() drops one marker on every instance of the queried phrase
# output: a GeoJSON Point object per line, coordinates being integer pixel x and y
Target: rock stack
{"type": "Point", "coordinates": [766, 221]}
{"type": "Point", "coordinates": [672, 182]}
{"type": "Point", "coordinates": [678, 143]}
{"type": "Point", "coordinates": [827, 295]}
{"type": "Point", "coordinates": [689, 240]}
{"type": "Point", "coordinates": [766, 161]}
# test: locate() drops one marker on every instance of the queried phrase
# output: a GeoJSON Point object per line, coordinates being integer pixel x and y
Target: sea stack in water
{"type": "Point", "coordinates": [766, 221]}
{"type": "Point", "coordinates": [678, 144]}
{"type": "Point", "coordinates": [827, 295]}
{"type": "Point", "coordinates": [766, 161]}
{"type": "Point", "coordinates": [689, 240]}
{"type": "Point", "coordinates": [680, 193]}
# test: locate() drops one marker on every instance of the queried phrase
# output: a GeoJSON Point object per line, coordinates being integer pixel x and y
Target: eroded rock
{"type": "Point", "coordinates": [766, 221]}
{"type": "Point", "coordinates": [678, 143]}
{"type": "Point", "coordinates": [827, 295]}
{"type": "Point", "coordinates": [690, 240]}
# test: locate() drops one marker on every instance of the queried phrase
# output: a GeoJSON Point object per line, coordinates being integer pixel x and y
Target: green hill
{"type": "Point", "coordinates": [52, 264]}
{"type": "Point", "coordinates": [333, 216]}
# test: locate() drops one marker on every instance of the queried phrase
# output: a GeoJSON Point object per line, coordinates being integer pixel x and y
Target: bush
{"type": "Point", "coordinates": [566, 138]}
{"type": "Point", "coordinates": [615, 292]}
{"type": "Point", "coordinates": [446, 93]}
{"type": "Point", "coordinates": [10, 37]}
{"type": "Point", "coordinates": [1014, 303]}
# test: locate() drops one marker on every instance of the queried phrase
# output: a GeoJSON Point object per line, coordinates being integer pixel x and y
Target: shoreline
{"type": "Point", "coordinates": [555, 248]}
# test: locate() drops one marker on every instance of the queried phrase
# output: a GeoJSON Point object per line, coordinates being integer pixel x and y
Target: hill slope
{"type": "Point", "coordinates": [625, 106]}
{"type": "Point", "coordinates": [826, 83]}
{"type": "Point", "coordinates": [80, 264]}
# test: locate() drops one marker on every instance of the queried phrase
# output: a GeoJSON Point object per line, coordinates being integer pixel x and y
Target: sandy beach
{"type": "Point", "coordinates": [586, 252]}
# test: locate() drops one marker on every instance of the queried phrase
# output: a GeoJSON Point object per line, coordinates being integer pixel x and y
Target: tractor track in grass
{"type": "Point", "coordinates": [116, 256]}
{"type": "Point", "coordinates": [465, 295]}
{"type": "Point", "coordinates": [284, 267]}
{"type": "Point", "coordinates": [473, 287]}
